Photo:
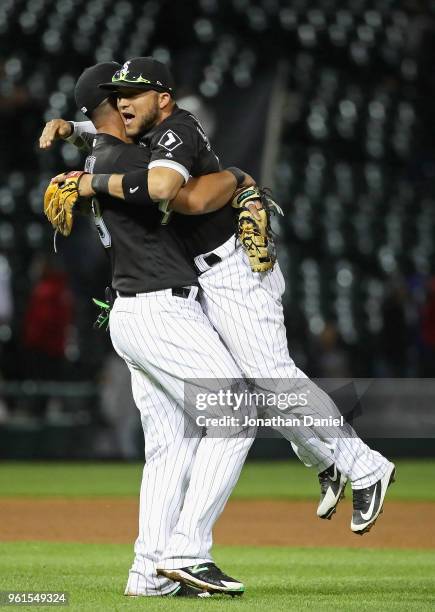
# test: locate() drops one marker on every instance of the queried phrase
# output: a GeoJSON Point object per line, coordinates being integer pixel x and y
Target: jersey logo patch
{"type": "Point", "coordinates": [170, 140]}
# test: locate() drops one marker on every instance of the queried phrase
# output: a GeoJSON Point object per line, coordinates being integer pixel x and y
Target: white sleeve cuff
{"type": "Point", "coordinates": [79, 128]}
{"type": "Point", "coordinates": [167, 163]}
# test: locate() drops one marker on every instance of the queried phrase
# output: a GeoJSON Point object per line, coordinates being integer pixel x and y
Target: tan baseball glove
{"type": "Point", "coordinates": [253, 226]}
{"type": "Point", "coordinates": [59, 201]}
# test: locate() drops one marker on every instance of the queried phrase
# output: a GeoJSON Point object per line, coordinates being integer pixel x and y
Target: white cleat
{"type": "Point", "coordinates": [368, 502]}
{"type": "Point", "coordinates": [332, 485]}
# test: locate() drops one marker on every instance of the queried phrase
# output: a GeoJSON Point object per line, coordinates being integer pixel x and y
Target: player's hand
{"type": "Point", "coordinates": [253, 205]}
{"type": "Point", "coordinates": [54, 130]}
{"type": "Point", "coordinates": [85, 188]}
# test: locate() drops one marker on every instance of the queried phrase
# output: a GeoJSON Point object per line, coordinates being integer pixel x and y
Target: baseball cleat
{"type": "Point", "coordinates": [181, 590]}
{"type": "Point", "coordinates": [205, 576]}
{"type": "Point", "coordinates": [332, 485]}
{"type": "Point", "coordinates": [368, 502]}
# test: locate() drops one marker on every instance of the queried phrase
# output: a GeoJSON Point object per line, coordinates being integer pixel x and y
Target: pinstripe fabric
{"type": "Point", "coordinates": [246, 310]}
{"type": "Point", "coordinates": [186, 480]}
{"type": "Point", "coordinates": [168, 456]}
{"type": "Point", "coordinates": [205, 498]}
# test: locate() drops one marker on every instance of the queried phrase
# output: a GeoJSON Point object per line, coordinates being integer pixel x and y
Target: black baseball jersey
{"type": "Point", "coordinates": [145, 255]}
{"type": "Point", "coordinates": [180, 143]}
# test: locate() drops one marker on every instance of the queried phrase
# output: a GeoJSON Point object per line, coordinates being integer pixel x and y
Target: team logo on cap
{"type": "Point", "coordinates": [125, 76]}
{"type": "Point", "coordinates": [122, 74]}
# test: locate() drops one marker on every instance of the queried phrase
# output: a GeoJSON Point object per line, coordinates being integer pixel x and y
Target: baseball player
{"type": "Point", "coordinates": [158, 327]}
{"type": "Point", "coordinates": [244, 307]}
{"type": "Point", "coordinates": [252, 302]}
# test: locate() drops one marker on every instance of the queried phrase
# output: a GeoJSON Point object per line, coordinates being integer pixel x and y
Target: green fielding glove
{"type": "Point", "coordinates": [102, 321]}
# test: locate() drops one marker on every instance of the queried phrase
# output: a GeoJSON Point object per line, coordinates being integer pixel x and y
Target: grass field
{"type": "Point", "coordinates": [276, 578]}
{"type": "Point", "coordinates": [272, 480]}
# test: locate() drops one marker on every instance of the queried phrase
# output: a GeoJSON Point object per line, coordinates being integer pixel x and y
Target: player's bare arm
{"type": "Point", "coordinates": [164, 183]}
{"type": "Point", "coordinates": [78, 133]}
{"type": "Point", "coordinates": [204, 194]}
{"type": "Point", "coordinates": [56, 129]}
{"type": "Point", "coordinates": [207, 193]}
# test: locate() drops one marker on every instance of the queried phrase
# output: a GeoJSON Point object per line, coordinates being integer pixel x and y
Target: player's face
{"type": "Point", "coordinates": [139, 110]}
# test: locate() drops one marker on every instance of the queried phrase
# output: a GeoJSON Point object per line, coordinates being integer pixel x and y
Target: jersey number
{"type": "Point", "coordinates": [102, 230]}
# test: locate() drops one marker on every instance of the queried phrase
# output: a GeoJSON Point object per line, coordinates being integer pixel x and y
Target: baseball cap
{"type": "Point", "coordinates": [144, 73]}
{"type": "Point", "coordinates": [87, 93]}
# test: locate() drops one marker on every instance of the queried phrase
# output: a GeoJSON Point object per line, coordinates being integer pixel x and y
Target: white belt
{"type": "Point", "coordinates": [222, 251]}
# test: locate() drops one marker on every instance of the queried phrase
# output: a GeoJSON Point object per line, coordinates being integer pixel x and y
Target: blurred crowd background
{"type": "Point", "coordinates": [328, 102]}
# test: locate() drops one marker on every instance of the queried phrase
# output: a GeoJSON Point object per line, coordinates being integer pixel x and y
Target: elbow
{"type": "Point", "coordinates": [160, 190]}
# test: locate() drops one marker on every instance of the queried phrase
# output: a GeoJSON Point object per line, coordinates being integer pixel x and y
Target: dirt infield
{"type": "Point", "coordinates": [258, 523]}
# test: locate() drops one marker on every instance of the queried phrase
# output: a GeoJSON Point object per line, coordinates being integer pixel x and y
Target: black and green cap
{"type": "Point", "coordinates": [87, 93]}
{"type": "Point", "coordinates": [143, 73]}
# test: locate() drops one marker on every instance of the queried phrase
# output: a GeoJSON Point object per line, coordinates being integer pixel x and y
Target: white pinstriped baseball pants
{"type": "Point", "coordinates": [246, 310]}
{"type": "Point", "coordinates": [186, 480]}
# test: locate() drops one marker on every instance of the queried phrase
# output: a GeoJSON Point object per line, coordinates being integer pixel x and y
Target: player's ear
{"type": "Point", "coordinates": [164, 99]}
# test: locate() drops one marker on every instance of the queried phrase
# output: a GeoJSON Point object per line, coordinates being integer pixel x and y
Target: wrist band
{"type": "Point", "coordinates": [238, 174]}
{"type": "Point", "coordinates": [100, 183]}
{"type": "Point", "coordinates": [135, 188]}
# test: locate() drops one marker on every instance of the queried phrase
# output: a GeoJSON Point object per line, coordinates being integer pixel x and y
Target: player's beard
{"type": "Point", "coordinates": [149, 120]}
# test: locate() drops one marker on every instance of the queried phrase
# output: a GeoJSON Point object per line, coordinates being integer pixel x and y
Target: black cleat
{"type": "Point", "coordinates": [183, 590]}
{"type": "Point", "coordinates": [332, 485]}
{"type": "Point", "coordinates": [205, 576]}
{"type": "Point", "coordinates": [368, 502]}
